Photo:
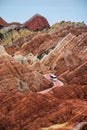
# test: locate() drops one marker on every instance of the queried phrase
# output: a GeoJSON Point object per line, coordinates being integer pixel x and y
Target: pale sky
{"type": "Point", "coordinates": [53, 10]}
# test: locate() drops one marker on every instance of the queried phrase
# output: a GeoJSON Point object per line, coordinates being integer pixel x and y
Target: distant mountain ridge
{"type": "Point", "coordinates": [36, 23]}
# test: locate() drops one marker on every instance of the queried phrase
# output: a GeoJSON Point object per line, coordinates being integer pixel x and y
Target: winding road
{"type": "Point", "coordinates": [56, 82]}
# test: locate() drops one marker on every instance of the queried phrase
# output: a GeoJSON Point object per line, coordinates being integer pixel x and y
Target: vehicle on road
{"type": "Point", "coordinates": [54, 79]}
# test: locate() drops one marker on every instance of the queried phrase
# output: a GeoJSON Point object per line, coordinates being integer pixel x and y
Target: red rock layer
{"type": "Point", "coordinates": [36, 23]}
{"type": "Point", "coordinates": [37, 45]}
{"type": "Point", "coordinates": [64, 51]}
{"type": "Point", "coordinates": [3, 23]}
{"type": "Point", "coordinates": [18, 76]}
{"type": "Point", "coordinates": [78, 76]}
{"type": "Point", "coordinates": [68, 57]}
{"type": "Point", "coordinates": [34, 111]}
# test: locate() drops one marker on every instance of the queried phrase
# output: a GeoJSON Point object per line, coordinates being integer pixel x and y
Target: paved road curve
{"type": "Point", "coordinates": [56, 82]}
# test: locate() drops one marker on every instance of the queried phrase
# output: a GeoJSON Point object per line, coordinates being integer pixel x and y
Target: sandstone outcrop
{"type": "Point", "coordinates": [16, 75]}
{"type": "Point", "coordinates": [13, 38]}
{"type": "Point", "coordinates": [69, 54]}
{"type": "Point", "coordinates": [3, 23]}
{"type": "Point", "coordinates": [25, 38]}
{"type": "Point", "coordinates": [63, 28]}
{"type": "Point", "coordinates": [35, 111]}
{"type": "Point", "coordinates": [33, 47]}
{"type": "Point", "coordinates": [36, 23]}
{"type": "Point", "coordinates": [26, 57]}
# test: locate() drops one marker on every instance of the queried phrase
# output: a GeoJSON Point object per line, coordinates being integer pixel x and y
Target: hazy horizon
{"type": "Point", "coordinates": [53, 10]}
